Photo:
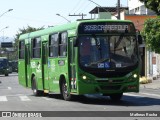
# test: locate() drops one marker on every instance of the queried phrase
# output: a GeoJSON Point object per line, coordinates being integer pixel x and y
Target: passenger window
{"type": "Point", "coordinates": [63, 44]}
{"type": "Point", "coordinates": [53, 45]}
{"type": "Point", "coordinates": [36, 48]}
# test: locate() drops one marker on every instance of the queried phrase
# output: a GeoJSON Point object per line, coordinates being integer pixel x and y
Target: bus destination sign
{"type": "Point", "coordinates": [91, 28]}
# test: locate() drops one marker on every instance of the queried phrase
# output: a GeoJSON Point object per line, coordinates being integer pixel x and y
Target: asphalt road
{"type": "Point", "coordinates": [14, 97]}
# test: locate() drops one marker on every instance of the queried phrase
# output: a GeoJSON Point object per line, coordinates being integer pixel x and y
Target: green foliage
{"type": "Point", "coordinates": [153, 5]}
{"type": "Point", "coordinates": [151, 34]}
{"type": "Point", "coordinates": [22, 31]}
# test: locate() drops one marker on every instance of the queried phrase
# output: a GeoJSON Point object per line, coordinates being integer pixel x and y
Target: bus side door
{"type": "Point", "coordinates": [36, 62]}
{"type": "Point", "coordinates": [72, 65]}
{"type": "Point", "coordinates": [28, 69]}
{"type": "Point", "coordinates": [22, 69]}
{"type": "Point", "coordinates": [44, 58]}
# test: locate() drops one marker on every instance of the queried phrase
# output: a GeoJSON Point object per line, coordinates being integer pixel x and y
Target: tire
{"type": "Point", "coordinates": [6, 74]}
{"type": "Point", "coordinates": [116, 96]}
{"type": "Point", "coordinates": [36, 92]}
{"type": "Point", "coordinates": [64, 92]}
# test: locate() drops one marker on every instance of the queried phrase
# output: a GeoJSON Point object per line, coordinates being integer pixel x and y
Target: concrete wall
{"type": "Point", "coordinates": [134, 4]}
{"type": "Point", "coordinates": [137, 7]}
{"type": "Point", "coordinates": [138, 20]}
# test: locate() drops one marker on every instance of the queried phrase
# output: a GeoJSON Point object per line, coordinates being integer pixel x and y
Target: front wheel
{"type": "Point", "coordinates": [116, 96]}
{"type": "Point", "coordinates": [64, 91]}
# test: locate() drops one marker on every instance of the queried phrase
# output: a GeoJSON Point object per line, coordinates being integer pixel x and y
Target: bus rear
{"type": "Point", "coordinates": [107, 59]}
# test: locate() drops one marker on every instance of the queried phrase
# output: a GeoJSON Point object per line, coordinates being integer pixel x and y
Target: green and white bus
{"type": "Point", "coordinates": [83, 57]}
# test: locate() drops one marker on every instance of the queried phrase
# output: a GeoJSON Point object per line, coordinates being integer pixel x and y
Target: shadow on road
{"type": "Point", "coordinates": [104, 100]}
{"type": "Point", "coordinates": [10, 75]}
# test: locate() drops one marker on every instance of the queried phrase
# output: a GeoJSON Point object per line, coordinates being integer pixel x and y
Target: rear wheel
{"type": "Point", "coordinates": [64, 91]}
{"type": "Point", "coordinates": [36, 92]}
{"type": "Point", "coordinates": [116, 96]}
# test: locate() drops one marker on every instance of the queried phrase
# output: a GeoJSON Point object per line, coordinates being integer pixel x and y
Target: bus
{"type": "Point", "coordinates": [83, 57]}
{"type": "Point", "coordinates": [4, 66]}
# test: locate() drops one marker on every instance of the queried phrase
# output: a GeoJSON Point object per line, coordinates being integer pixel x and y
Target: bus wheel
{"type": "Point", "coordinates": [6, 74]}
{"type": "Point", "coordinates": [64, 92]}
{"type": "Point", "coordinates": [116, 96]}
{"type": "Point", "coordinates": [36, 92]}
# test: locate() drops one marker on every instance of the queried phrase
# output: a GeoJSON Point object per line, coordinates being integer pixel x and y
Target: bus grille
{"type": "Point", "coordinates": [111, 87]}
{"type": "Point", "coordinates": [110, 81]}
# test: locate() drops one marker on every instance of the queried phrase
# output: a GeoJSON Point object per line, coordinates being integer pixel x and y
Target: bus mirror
{"type": "Point", "coordinates": [139, 39]}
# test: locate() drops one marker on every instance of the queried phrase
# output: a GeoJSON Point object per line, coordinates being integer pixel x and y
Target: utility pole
{"type": "Point", "coordinates": [118, 9]}
{"type": "Point", "coordinates": [82, 15]}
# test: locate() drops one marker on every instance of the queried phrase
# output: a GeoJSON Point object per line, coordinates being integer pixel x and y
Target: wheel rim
{"type": "Point", "coordinates": [34, 87]}
{"type": "Point", "coordinates": [65, 91]}
{"type": "Point", "coordinates": [34, 91]}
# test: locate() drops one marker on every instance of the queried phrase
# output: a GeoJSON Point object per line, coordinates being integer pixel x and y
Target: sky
{"type": "Point", "coordinates": [42, 13]}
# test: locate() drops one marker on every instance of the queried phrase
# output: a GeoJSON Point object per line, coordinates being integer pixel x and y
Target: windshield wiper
{"type": "Point", "coordinates": [98, 43]}
{"type": "Point", "coordinates": [119, 41]}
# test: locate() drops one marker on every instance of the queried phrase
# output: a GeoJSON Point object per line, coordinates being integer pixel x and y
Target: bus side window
{"type": "Point", "coordinates": [53, 45]}
{"type": "Point", "coordinates": [36, 48]}
{"type": "Point", "coordinates": [63, 44]}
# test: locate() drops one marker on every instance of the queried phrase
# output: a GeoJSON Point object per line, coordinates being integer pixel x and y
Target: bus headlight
{"type": "Point", "coordinates": [84, 77]}
{"type": "Point", "coordinates": [135, 75]}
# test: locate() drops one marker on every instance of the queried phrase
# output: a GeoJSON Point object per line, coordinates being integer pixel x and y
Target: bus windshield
{"type": "Point", "coordinates": [108, 52]}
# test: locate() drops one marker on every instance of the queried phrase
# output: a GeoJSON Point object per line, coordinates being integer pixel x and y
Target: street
{"type": "Point", "coordinates": [14, 97]}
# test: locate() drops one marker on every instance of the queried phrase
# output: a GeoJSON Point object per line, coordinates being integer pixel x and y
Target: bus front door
{"type": "Point", "coordinates": [72, 66]}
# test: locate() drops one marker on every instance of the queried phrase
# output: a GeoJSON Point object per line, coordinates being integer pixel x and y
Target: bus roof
{"type": "Point", "coordinates": [65, 27]}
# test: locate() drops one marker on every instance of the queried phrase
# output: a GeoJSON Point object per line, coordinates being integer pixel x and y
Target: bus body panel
{"type": "Point", "coordinates": [22, 76]}
{"type": "Point", "coordinates": [57, 67]}
{"type": "Point", "coordinates": [53, 74]}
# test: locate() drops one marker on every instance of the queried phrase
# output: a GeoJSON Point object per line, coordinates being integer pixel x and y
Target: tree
{"type": "Point", "coordinates": [153, 5]}
{"type": "Point", "coordinates": [16, 39]}
{"type": "Point", "coordinates": [151, 34]}
{"type": "Point", "coordinates": [151, 28]}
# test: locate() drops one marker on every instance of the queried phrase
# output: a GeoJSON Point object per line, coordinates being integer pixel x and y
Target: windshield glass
{"type": "Point", "coordinates": [107, 51]}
